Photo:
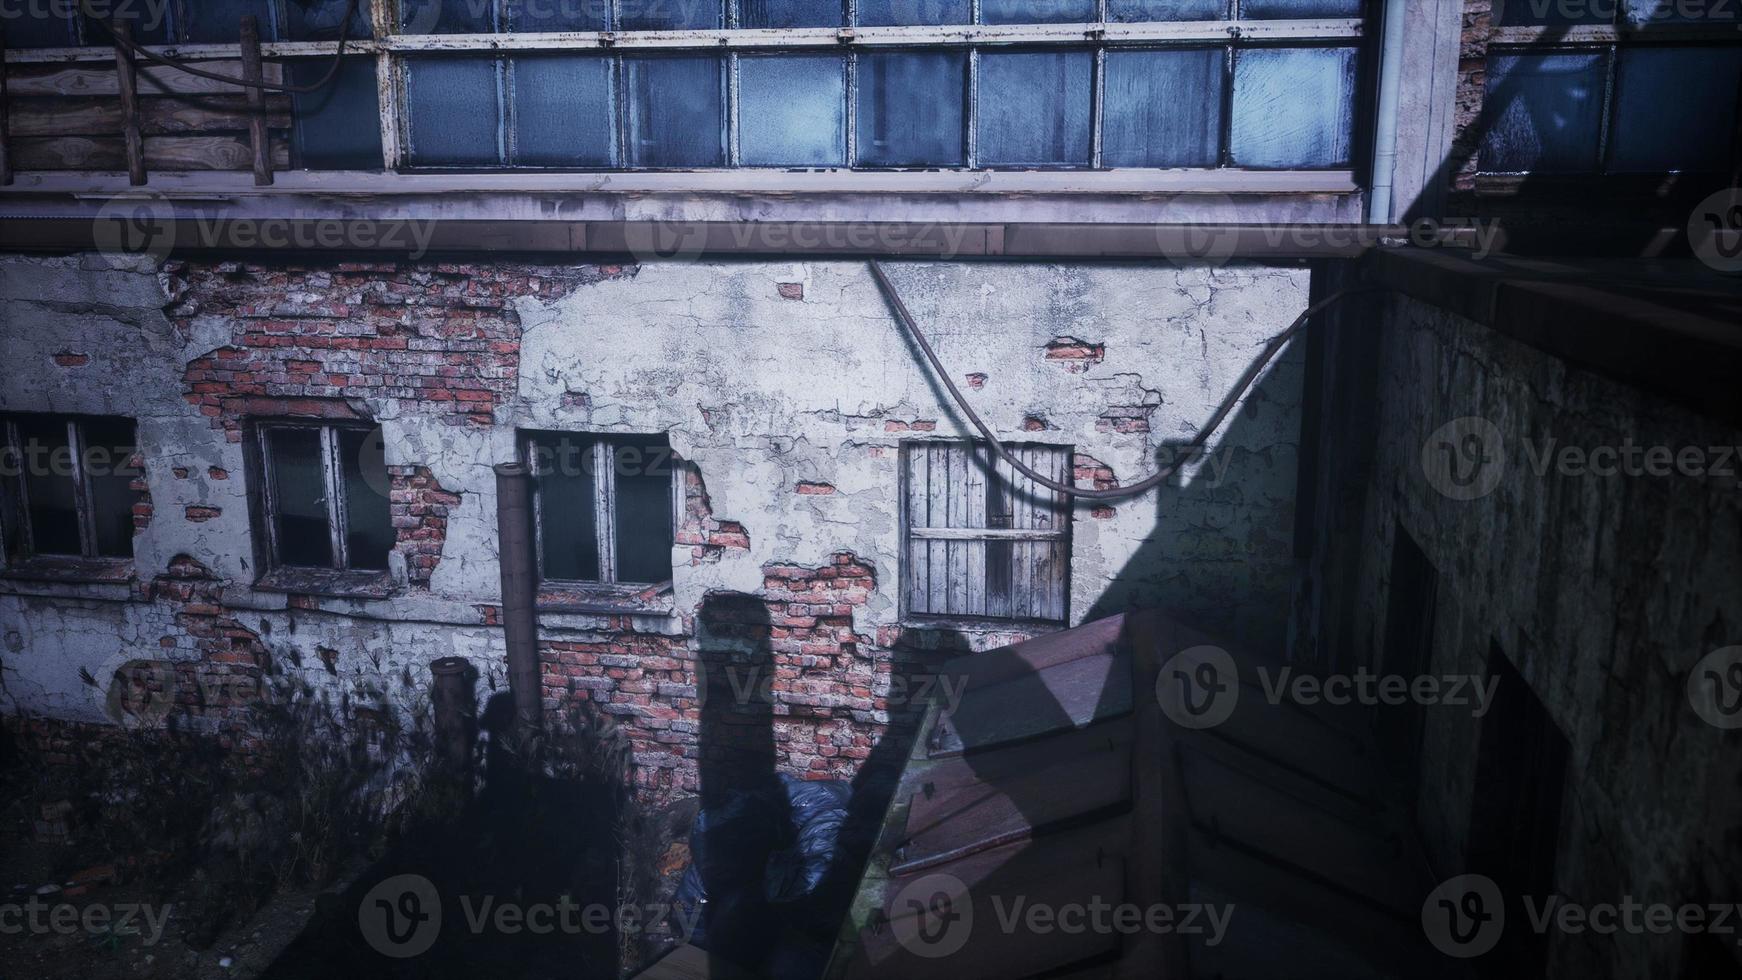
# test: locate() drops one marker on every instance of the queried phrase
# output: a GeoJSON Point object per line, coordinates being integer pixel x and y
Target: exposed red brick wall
{"type": "Point", "coordinates": [1075, 356]}
{"type": "Point", "coordinates": [707, 536]}
{"type": "Point", "coordinates": [419, 507]}
{"type": "Point", "coordinates": [441, 339]}
{"type": "Point", "coordinates": [825, 717]}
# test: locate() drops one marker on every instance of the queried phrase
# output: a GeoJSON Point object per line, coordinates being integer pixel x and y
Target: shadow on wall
{"type": "Point", "coordinates": [1220, 553]}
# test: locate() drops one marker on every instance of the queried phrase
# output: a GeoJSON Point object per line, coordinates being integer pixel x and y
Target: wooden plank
{"type": "Point", "coordinates": [956, 551]}
{"type": "Point", "coordinates": [1058, 553]}
{"type": "Point", "coordinates": [914, 459]}
{"type": "Point", "coordinates": [384, 16]}
{"type": "Point", "coordinates": [985, 533]}
{"type": "Point", "coordinates": [937, 509]}
{"type": "Point", "coordinates": [152, 80]}
{"type": "Point", "coordinates": [974, 518]}
{"type": "Point", "coordinates": [161, 153]}
{"type": "Point", "coordinates": [999, 552]}
{"type": "Point", "coordinates": [126, 85]}
{"type": "Point", "coordinates": [259, 143]}
{"type": "Point", "coordinates": [99, 116]}
{"type": "Point", "coordinates": [1022, 554]}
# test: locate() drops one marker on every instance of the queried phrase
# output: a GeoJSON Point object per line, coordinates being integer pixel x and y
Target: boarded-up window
{"type": "Point", "coordinates": [984, 541]}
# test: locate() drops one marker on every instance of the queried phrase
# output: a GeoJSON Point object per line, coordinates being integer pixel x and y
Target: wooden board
{"type": "Point", "coordinates": [161, 153]}
{"type": "Point", "coordinates": [35, 80]}
{"type": "Point", "coordinates": [100, 116]}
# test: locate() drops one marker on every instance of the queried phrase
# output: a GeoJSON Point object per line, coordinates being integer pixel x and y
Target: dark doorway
{"type": "Point", "coordinates": [1409, 620]}
{"type": "Point", "coordinates": [1515, 816]}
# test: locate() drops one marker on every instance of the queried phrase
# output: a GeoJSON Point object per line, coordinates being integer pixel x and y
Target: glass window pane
{"type": "Point", "coordinates": [568, 535]}
{"type": "Point", "coordinates": [910, 108]}
{"type": "Point", "coordinates": [1291, 9]}
{"type": "Point", "coordinates": [1526, 12]}
{"type": "Point", "coordinates": [338, 127]}
{"type": "Point", "coordinates": [368, 525]}
{"type": "Point", "coordinates": [643, 521]}
{"type": "Point", "coordinates": [792, 110]}
{"type": "Point", "coordinates": [1667, 101]}
{"type": "Point", "coordinates": [556, 15]}
{"type": "Point", "coordinates": [220, 21]}
{"type": "Point", "coordinates": [1649, 12]}
{"type": "Point", "coordinates": [670, 15]}
{"type": "Point", "coordinates": [902, 13]}
{"type": "Point", "coordinates": [1293, 107]}
{"type": "Point", "coordinates": [318, 20]}
{"type": "Point", "coordinates": [1546, 108]}
{"type": "Point", "coordinates": [676, 112]}
{"type": "Point", "coordinates": [1037, 11]}
{"type": "Point", "coordinates": [1131, 11]}
{"type": "Point", "coordinates": [563, 115]}
{"type": "Point", "coordinates": [447, 16]}
{"type": "Point", "coordinates": [42, 25]}
{"type": "Point", "coordinates": [49, 487]}
{"type": "Point", "coordinates": [452, 109]}
{"type": "Point", "coordinates": [299, 498]}
{"type": "Point", "coordinates": [791, 13]}
{"type": "Point", "coordinates": [1163, 108]}
{"type": "Point", "coordinates": [109, 448]}
{"type": "Point", "coordinates": [1034, 107]}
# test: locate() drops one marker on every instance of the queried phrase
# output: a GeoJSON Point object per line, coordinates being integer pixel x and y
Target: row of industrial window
{"type": "Point", "coordinates": [1612, 108]}
{"type": "Point", "coordinates": [62, 23]}
{"type": "Point", "coordinates": [1002, 107]}
{"type": "Point", "coordinates": [981, 540]}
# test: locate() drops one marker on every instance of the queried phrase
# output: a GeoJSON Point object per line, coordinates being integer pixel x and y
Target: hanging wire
{"type": "Point", "coordinates": [338, 57]}
{"type": "Point", "coordinates": [1271, 349]}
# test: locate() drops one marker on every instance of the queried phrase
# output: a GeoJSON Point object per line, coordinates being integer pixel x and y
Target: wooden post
{"type": "Point", "coordinates": [253, 72]}
{"type": "Point", "coordinates": [5, 128]}
{"type": "Point", "coordinates": [127, 83]}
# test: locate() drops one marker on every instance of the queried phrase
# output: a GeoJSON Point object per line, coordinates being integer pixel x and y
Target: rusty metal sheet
{"type": "Point", "coordinates": [996, 797]}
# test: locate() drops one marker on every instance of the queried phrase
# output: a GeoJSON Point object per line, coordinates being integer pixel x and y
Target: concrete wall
{"type": "Point", "coordinates": [765, 375]}
{"type": "Point", "coordinates": [1603, 589]}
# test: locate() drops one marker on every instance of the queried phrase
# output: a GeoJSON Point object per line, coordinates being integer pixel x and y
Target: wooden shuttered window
{"type": "Point", "coordinates": [983, 541]}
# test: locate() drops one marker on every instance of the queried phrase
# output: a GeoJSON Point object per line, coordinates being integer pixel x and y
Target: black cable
{"type": "Point", "coordinates": [1269, 353]}
{"type": "Point", "coordinates": [333, 71]}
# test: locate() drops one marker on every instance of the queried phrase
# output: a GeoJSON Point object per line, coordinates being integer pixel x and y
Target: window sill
{"type": "Point", "coordinates": [967, 624]}
{"type": "Point", "coordinates": [609, 598]}
{"type": "Point", "coordinates": [86, 571]}
{"type": "Point", "coordinates": [327, 582]}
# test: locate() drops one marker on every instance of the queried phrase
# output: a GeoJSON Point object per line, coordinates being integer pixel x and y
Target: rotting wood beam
{"type": "Point", "coordinates": [252, 72]}
{"type": "Point", "coordinates": [126, 83]}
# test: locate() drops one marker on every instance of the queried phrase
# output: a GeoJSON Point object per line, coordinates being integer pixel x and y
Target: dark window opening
{"type": "Point", "coordinates": [1521, 768]}
{"type": "Point", "coordinates": [1409, 619]}
{"type": "Point", "coordinates": [603, 506]}
{"type": "Point", "coordinates": [325, 496]}
{"type": "Point", "coordinates": [68, 486]}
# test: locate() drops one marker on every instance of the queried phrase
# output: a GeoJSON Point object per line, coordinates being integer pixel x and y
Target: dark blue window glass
{"type": "Point", "coordinates": [452, 111]}
{"type": "Point", "coordinates": [563, 115]}
{"type": "Point", "coordinates": [1293, 107]}
{"type": "Point", "coordinates": [1163, 108]}
{"type": "Point", "coordinates": [676, 111]}
{"type": "Point", "coordinates": [1547, 112]}
{"type": "Point", "coordinates": [792, 110]}
{"type": "Point", "coordinates": [911, 108]}
{"type": "Point", "coordinates": [1034, 107]}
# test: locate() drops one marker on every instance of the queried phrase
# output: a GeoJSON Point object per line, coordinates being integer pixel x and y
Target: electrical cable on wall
{"type": "Point", "coordinates": [332, 72]}
{"type": "Point", "coordinates": [1271, 349]}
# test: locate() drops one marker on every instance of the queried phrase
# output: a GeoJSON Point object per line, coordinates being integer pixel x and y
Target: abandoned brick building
{"type": "Point", "coordinates": [264, 351]}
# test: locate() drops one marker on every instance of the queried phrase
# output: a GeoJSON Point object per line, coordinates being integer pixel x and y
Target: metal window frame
{"type": "Point", "coordinates": [1610, 40]}
{"type": "Point", "coordinates": [83, 496]}
{"type": "Point", "coordinates": [390, 48]}
{"type": "Point", "coordinates": [332, 479]}
{"type": "Point", "coordinates": [601, 455]}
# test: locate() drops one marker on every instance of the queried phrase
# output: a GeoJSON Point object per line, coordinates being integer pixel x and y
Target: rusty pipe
{"type": "Point", "coordinates": [519, 587]}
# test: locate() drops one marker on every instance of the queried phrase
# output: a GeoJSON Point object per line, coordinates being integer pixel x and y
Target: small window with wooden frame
{"type": "Point", "coordinates": [68, 489]}
{"type": "Point", "coordinates": [983, 543]}
{"type": "Point", "coordinates": [324, 498]}
{"type": "Point", "coordinates": [603, 509]}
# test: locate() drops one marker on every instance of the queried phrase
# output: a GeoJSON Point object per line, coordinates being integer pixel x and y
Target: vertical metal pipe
{"type": "Point", "coordinates": [456, 712]}
{"type": "Point", "coordinates": [519, 586]}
